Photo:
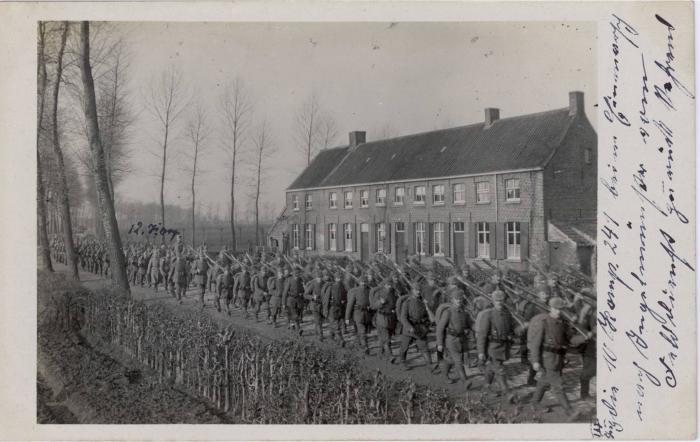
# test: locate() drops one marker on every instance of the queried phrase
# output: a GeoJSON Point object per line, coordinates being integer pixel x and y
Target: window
{"type": "Point", "coordinates": [333, 200]}
{"type": "Point", "coordinates": [347, 228]}
{"type": "Point", "coordinates": [513, 238]}
{"type": "Point", "coordinates": [308, 202]}
{"type": "Point", "coordinates": [348, 200]}
{"type": "Point", "coordinates": [295, 236]}
{"type": "Point", "coordinates": [458, 193]}
{"type": "Point", "coordinates": [588, 156]}
{"type": "Point", "coordinates": [381, 236]}
{"type": "Point", "coordinates": [513, 189]}
{"type": "Point", "coordinates": [380, 198]}
{"type": "Point", "coordinates": [483, 240]}
{"type": "Point", "coordinates": [364, 198]}
{"type": "Point", "coordinates": [438, 194]}
{"type": "Point", "coordinates": [419, 195]}
{"type": "Point", "coordinates": [420, 238]}
{"type": "Point", "coordinates": [309, 237]}
{"type": "Point", "coordinates": [399, 195]}
{"type": "Point", "coordinates": [482, 192]}
{"type": "Point", "coordinates": [399, 227]}
{"type": "Point", "coordinates": [458, 226]}
{"type": "Point", "coordinates": [295, 202]}
{"type": "Point", "coordinates": [332, 237]}
{"type": "Point", "coordinates": [438, 239]}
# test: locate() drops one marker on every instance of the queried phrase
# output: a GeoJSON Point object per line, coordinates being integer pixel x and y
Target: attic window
{"type": "Point", "coordinates": [444, 148]}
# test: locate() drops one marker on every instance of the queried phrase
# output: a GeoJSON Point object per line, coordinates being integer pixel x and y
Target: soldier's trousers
{"type": "Point", "coordinates": [496, 370]}
{"type": "Point", "coordinates": [259, 303]}
{"type": "Point", "coordinates": [384, 335]}
{"type": "Point", "coordinates": [227, 294]}
{"type": "Point", "coordinates": [318, 321]}
{"type": "Point", "coordinates": [274, 307]}
{"type": "Point", "coordinates": [336, 329]}
{"type": "Point", "coordinates": [551, 379]}
{"type": "Point", "coordinates": [422, 344]}
{"type": "Point", "coordinates": [455, 349]}
{"type": "Point", "coordinates": [587, 373]}
{"type": "Point", "coordinates": [243, 300]}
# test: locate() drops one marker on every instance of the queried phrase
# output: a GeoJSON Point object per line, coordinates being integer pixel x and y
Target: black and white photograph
{"type": "Point", "coordinates": [316, 223]}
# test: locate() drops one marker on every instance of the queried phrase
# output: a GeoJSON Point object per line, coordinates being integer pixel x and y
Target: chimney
{"type": "Point", "coordinates": [576, 103]}
{"type": "Point", "coordinates": [357, 137]}
{"type": "Point", "coordinates": [491, 114]}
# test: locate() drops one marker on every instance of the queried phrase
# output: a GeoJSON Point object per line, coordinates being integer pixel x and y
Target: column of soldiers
{"type": "Point", "coordinates": [476, 310]}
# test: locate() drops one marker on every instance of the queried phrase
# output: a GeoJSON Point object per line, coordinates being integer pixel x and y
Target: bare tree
{"type": "Point", "coordinates": [109, 219]}
{"type": "Point", "coordinates": [328, 131]}
{"type": "Point", "coordinates": [309, 128]}
{"type": "Point", "coordinates": [71, 256]}
{"type": "Point", "coordinates": [264, 148]}
{"type": "Point", "coordinates": [197, 132]}
{"type": "Point", "coordinates": [44, 252]}
{"type": "Point", "coordinates": [235, 109]}
{"type": "Point", "coordinates": [166, 100]}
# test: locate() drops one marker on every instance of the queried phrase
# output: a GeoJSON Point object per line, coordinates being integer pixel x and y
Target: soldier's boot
{"type": "Point", "coordinates": [531, 376]}
{"type": "Point", "coordinates": [218, 304]}
{"type": "Point", "coordinates": [585, 384]}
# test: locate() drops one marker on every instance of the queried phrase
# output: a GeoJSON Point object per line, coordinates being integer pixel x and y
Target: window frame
{"type": "Point", "coordinates": [380, 236]}
{"type": "Point", "coordinates": [333, 200]}
{"type": "Point", "coordinates": [380, 201]}
{"type": "Point", "coordinates": [309, 236]}
{"type": "Point", "coordinates": [460, 229]}
{"type": "Point", "coordinates": [440, 202]}
{"type": "Point", "coordinates": [417, 194]}
{"type": "Point", "coordinates": [483, 231]}
{"type": "Point", "coordinates": [345, 199]}
{"type": "Point", "coordinates": [514, 189]}
{"type": "Point", "coordinates": [397, 201]}
{"type": "Point", "coordinates": [588, 155]}
{"type": "Point", "coordinates": [441, 237]}
{"type": "Point", "coordinates": [295, 203]}
{"type": "Point", "coordinates": [419, 233]}
{"type": "Point", "coordinates": [308, 201]}
{"type": "Point", "coordinates": [463, 191]}
{"type": "Point", "coordinates": [486, 192]}
{"type": "Point", "coordinates": [333, 237]}
{"type": "Point", "coordinates": [348, 241]}
{"type": "Point", "coordinates": [514, 233]}
{"type": "Point", "coordinates": [364, 201]}
{"type": "Point", "coordinates": [295, 236]}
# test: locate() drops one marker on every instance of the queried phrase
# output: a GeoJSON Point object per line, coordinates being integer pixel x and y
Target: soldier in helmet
{"type": "Point", "coordinates": [293, 300]}
{"type": "Point", "coordinates": [547, 339]}
{"type": "Point", "coordinates": [453, 327]}
{"type": "Point", "coordinates": [260, 293]}
{"type": "Point", "coordinates": [358, 308]}
{"type": "Point", "coordinates": [201, 274]}
{"type": "Point", "coordinates": [334, 301]}
{"type": "Point", "coordinates": [495, 333]}
{"type": "Point", "coordinates": [180, 275]}
{"type": "Point", "coordinates": [385, 306]}
{"type": "Point", "coordinates": [415, 322]}
{"type": "Point", "coordinates": [313, 294]}
{"type": "Point", "coordinates": [275, 285]}
{"type": "Point", "coordinates": [241, 288]}
{"type": "Point", "coordinates": [225, 289]}
{"type": "Point", "coordinates": [528, 311]}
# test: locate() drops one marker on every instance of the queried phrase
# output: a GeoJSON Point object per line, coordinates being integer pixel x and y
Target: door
{"type": "Point", "coordinates": [400, 241]}
{"type": "Point", "coordinates": [364, 242]}
{"type": "Point", "coordinates": [458, 243]}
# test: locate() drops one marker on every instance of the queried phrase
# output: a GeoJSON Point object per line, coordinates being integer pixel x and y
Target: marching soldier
{"type": "Point", "coordinates": [494, 337]}
{"type": "Point", "coordinates": [180, 275]}
{"type": "Point", "coordinates": [334, 301]}
{"type": "Point", "coordinates": [385, 306]}
{"type": "Point", "coordinates": [241, 288]}
{"type": "Point", "coordinates": [530, 310]}
{"type": "Point", "coordinates": [313, 294]}
{"type": "Point", "coordinates": [358, 309]}
{"type": "Point", "coordinates": [153, 269]}
{"type": "Point", "coordinates": [275, 287]}
{"type": "Point", "coordinates": [201, 275]}
{"type": "Point", "coordinates": [453, 327]}
{"type": "Point", "coordinates": [547, 339]}
{"type": "Point", "coordinates": [260, 294]}
{"type": "Point", "coordinates": [415, 322]}
{"type": "Point", "coordinates": [293, 299]}
{"type": "Point", "coordinates": [224, 288]}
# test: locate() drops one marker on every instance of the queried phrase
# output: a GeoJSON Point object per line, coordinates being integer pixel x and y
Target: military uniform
{"type": "Point", "coordinates": [334, 301]}
{"type": "Point", "coordinates": [385, 306]}
{"type": "Point", "coordinates": [358, 309]}
{"type": "Point", "coordinates": [452, 331]}
{"type": "Point", "coordinates": [275, 284]}
{"type": "Point", "coordinates": [241, 288]}
{"type": "Point", "coordinates": [225, 289]}
{"type": "Point", "coordinates": [293, 299]}
{"type": "Point", "coordinates": [260, 294]}
{"type": "Point", "coordinates": [313, 294]}
{"type": "Point", "coordinates": [180, 277]}
{"type": "Point", "coordinates": [529, 310]}
{"type": "Point", "coordinates": [547, 341]}
{"type": "Point", "coordinates": [494, 335]}
{"type": "Point", "coordinates": [415, 327]}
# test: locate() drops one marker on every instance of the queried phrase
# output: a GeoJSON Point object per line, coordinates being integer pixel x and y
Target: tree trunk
{"type": "Point", "coordinates": [257, 196]}
{"type": "Point", "coordinates": [233, 193]}
{"type": "Point", "coordinates": [118, 261]}
{"type": "Point", "coordinates": [162, 179]}
{"type": "Point", "coordinates": [71, 257]}
{"type": "Point", "coordinates": [43, 236]}
{"type": "Point", "coordinates": [194, 173]}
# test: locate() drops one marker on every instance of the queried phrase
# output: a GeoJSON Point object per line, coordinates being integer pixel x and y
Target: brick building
{"type": "Point", "coordinates": [503, 189]}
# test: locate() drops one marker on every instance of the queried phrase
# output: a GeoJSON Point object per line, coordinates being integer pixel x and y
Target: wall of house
{"type": "Point", "coordinates": [529, 211]}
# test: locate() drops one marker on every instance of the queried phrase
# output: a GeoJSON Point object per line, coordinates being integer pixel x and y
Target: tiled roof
{"type": "Point", "coordinates": [522, 142]}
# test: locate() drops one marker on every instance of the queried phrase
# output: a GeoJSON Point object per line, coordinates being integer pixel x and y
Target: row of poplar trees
{"type": "Point", "coordinates": [48, 127]}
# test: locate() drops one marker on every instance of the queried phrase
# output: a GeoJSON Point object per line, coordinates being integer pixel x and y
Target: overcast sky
{"type": "Point", "coordinates": [404, 77]}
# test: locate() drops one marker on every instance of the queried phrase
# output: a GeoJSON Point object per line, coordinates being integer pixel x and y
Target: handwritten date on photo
{"type": "Point", "coordinates": [152, 230]}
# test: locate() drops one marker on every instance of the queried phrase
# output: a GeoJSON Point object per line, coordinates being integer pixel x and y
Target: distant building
{"type": "Point", "coordinates": [507, 189]}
